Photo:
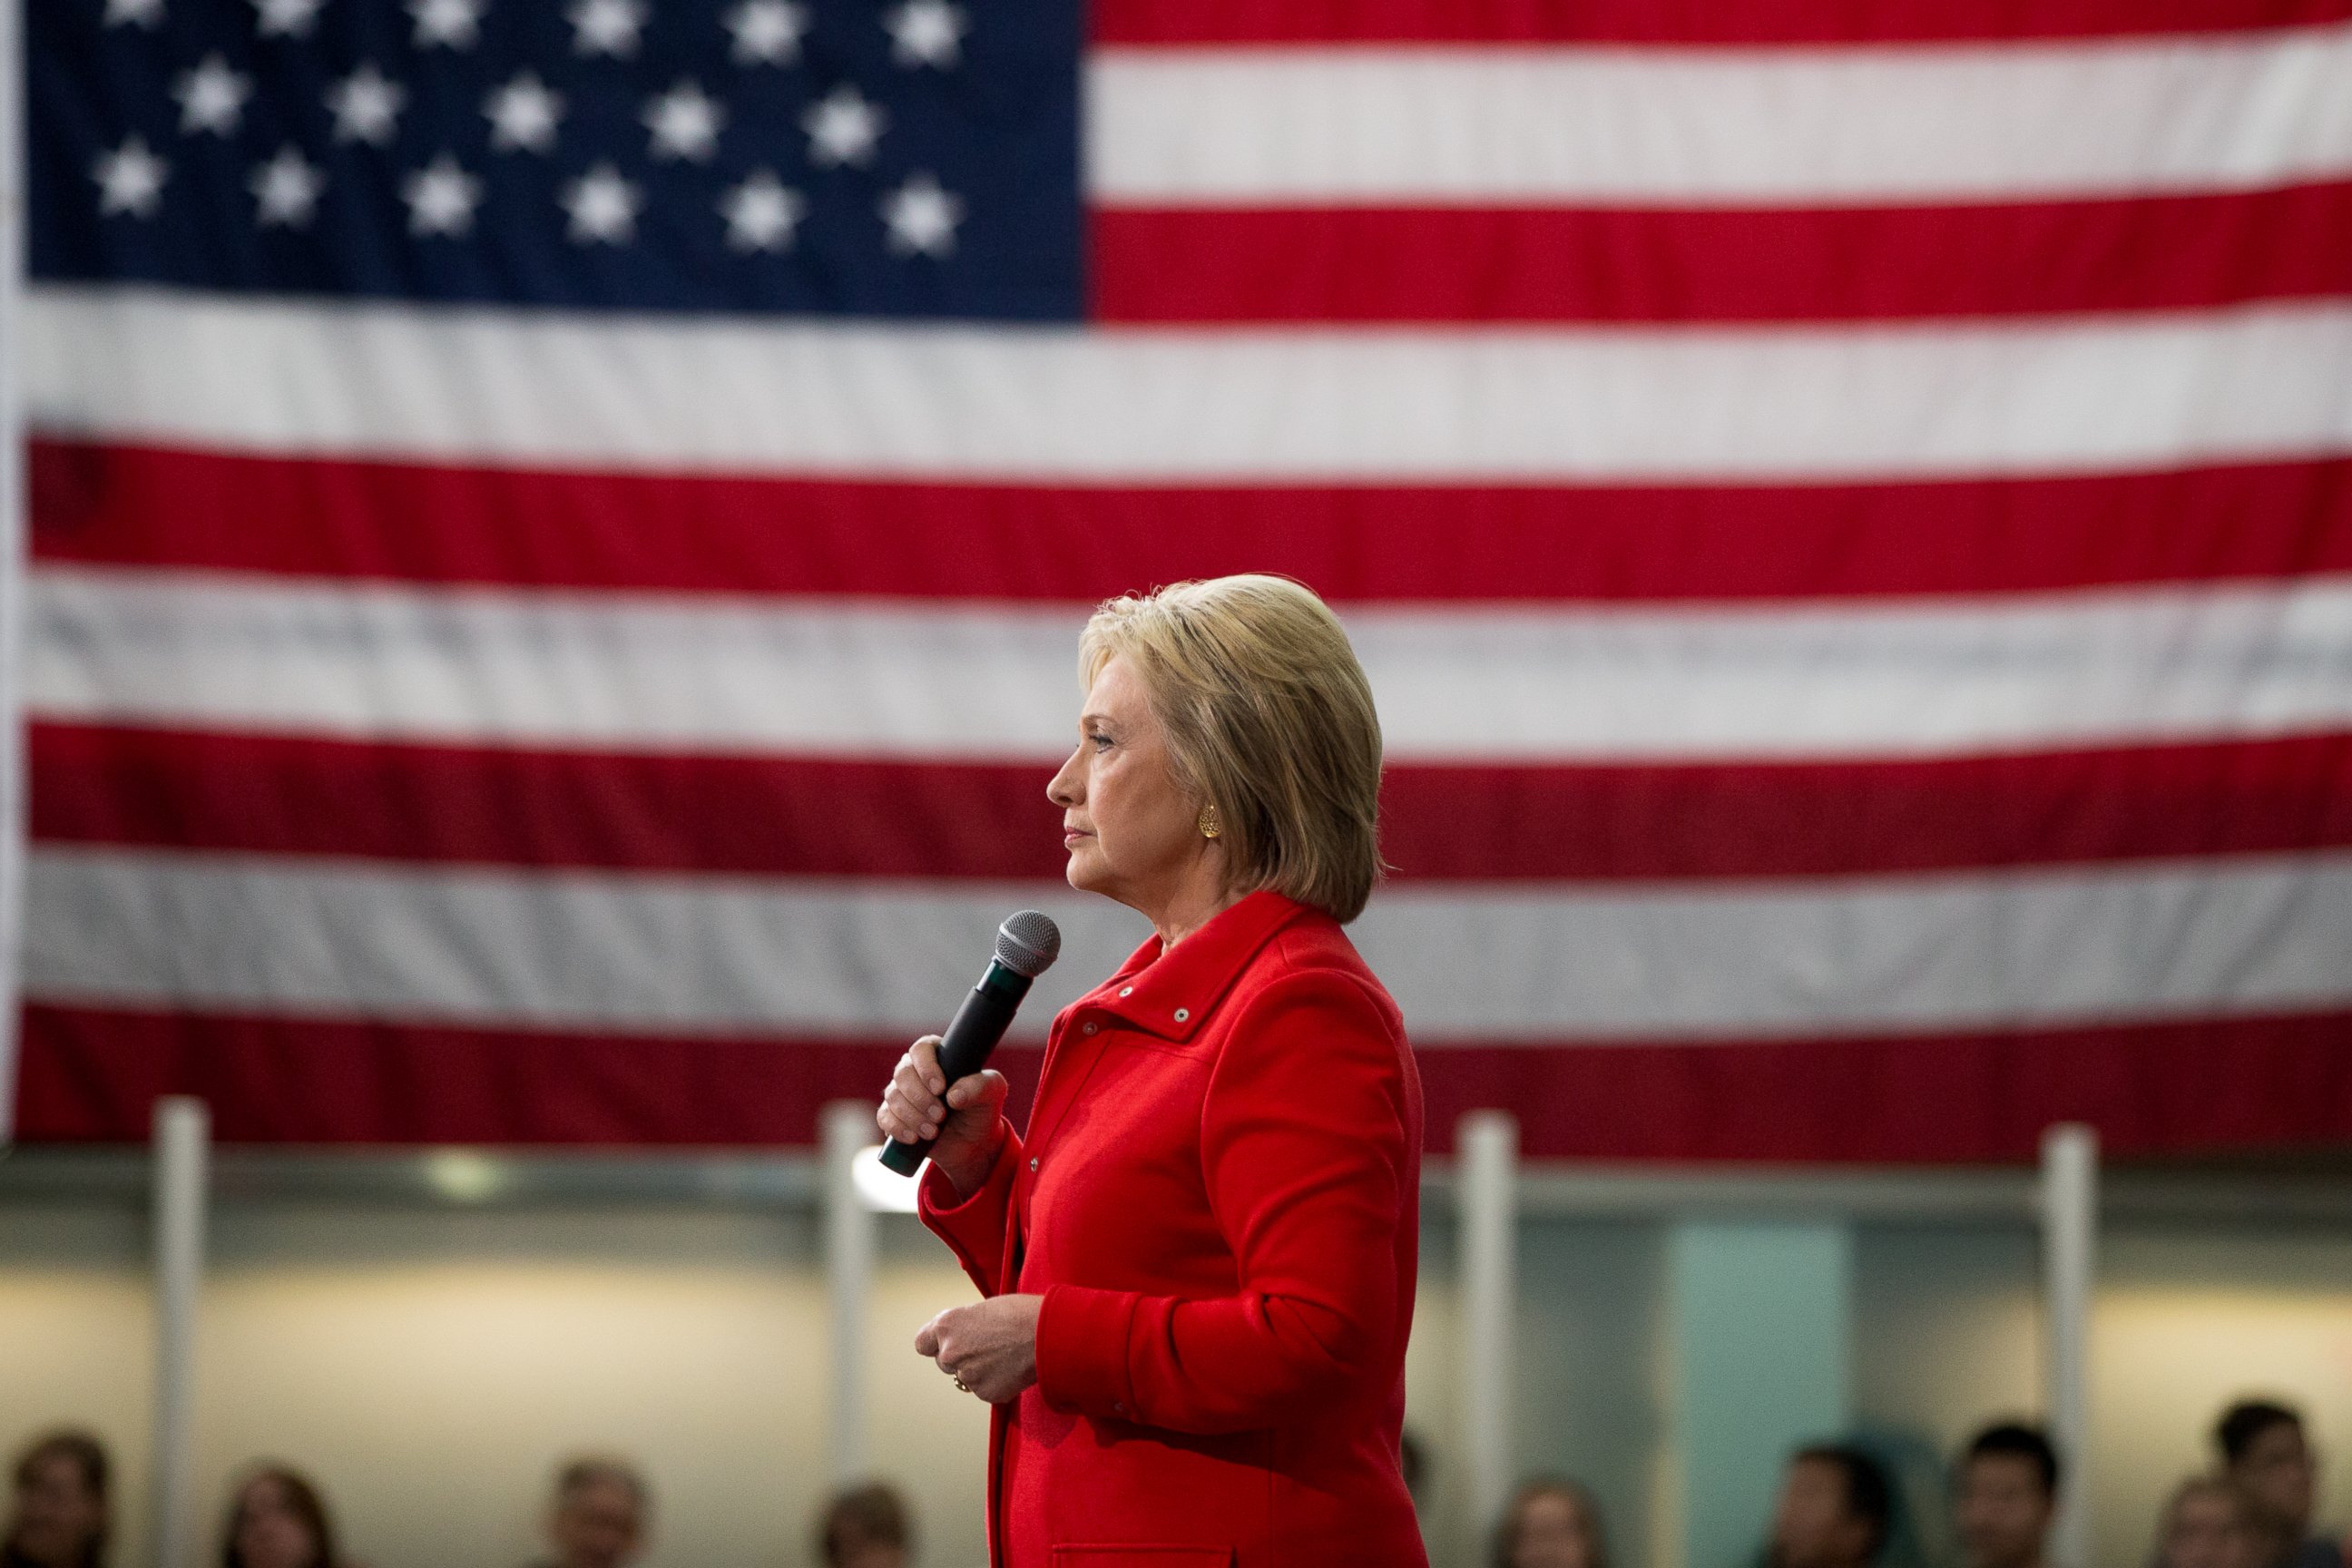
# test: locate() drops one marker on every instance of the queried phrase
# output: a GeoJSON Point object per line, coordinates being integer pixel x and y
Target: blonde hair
{"type": "Point", "coordinates": [1269, 720]}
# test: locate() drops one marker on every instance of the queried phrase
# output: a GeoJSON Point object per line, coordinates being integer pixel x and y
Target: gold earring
{"type": "Point", "coordinates": [1209, 825]}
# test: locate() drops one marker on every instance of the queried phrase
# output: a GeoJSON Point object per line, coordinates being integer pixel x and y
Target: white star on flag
{"type": "Point", "coordinates": [761, 213]}
{"type": "Point", "coordinates": [767, 31]}
{"type": "Point", "coordinates": [441, 197]}
{"type": "Point", "coordinates": [366, 105]}
{"type": "Point", "coordinates": [843, 127]}
{"type": "Point", "coordinates": [604, 206]}
{"type": "Point", "coordinates": [287, 18]}
{"type": "Point", "coordinates": [685, 122]}
{"type": "Point", "coordinates": [456, 24]}
{"type": "Point", "coordinates": [130, 180]}
{"type": "Point", "coordinates": [286, 189]}
{"type": "Point", "coordinates": [926, 33]}
{"type": "Point", "coordinates": [524, 115]}
{"type": "Point", "coordinates": [133, 12]}
{"type": "Point", "coordinates": [922, 217]}
{"type": "Point", "coordinates": [606, 27]}
{"type": "Point", "coordinates": [211, 97]}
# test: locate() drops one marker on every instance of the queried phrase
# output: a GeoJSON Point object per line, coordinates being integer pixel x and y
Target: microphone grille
{"type": "Point", "coordinates": [1028, 943]}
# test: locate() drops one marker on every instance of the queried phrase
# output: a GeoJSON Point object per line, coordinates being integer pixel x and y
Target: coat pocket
{"type": "Point", "coordinates": [1125, 1556]}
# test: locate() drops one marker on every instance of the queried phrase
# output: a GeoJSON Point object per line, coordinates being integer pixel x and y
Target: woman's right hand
{"type": "Point", "coordinates": [968, 1120]}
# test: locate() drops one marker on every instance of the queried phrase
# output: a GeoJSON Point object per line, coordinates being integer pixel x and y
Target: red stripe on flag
{"type": "Point", "coordinates": [764, 816]}
{"type": "Point", "coordinates": [1426, 265]}
{"type": "Point", "coordinates": [2243, 1083]}
{"type": "Point", "coordinates": [1149, 22]}
{"type": "Point", "coordinates": [93, 1075]}
{"type": "Point", "coordinates": [802, 816]}
{"type": "Point", "coordinates": [135, 506]}
{"type": "Point", "coordinates": [85, 1074]}
{"type": "Point", "coordinates": [1749, 820]}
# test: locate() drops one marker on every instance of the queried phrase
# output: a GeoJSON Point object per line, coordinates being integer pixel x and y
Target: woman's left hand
{"type": "Point", "coordinates": [990, 1348]}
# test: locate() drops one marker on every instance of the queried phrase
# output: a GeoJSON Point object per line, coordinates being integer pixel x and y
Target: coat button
{"type": "Point", "coordinates": [1182, 1014]}
{"type": "Point", "coordinates": [1088, 1029]}
{"type": "Point", "coordinates": [1127, 990]}
{"type": "Point", "coordinates": [1032, 1161]}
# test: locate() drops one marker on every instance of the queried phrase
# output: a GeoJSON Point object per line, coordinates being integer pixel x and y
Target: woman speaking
{"type": "Point", "coordinates": [1198, 1263]}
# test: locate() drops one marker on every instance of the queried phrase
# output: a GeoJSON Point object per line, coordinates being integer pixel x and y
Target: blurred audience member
{"type": "Point", "coordinates": [2265, 1451]}
{"type": "Point", "coordinates": [2208, 1522]}
{"type": "Point", "coordinates": [1553, 1522]}
{"type": "Point", "coordinates": [1833, 1512]}
{"type": "Point", "coordinates": [58, 1517]}
{"type": "Point", "coordinates": [278, 1520]}
{"type": "Point", "coordinates": [866, 1527]}
{"type": "Point", "coordinates": [2005, 1498]}
{"type": "Point", "coordinates": [598, 1516]}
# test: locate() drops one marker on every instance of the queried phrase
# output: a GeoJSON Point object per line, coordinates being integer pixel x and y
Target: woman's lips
{"type": "Point", "coordinates": [1070, 837]}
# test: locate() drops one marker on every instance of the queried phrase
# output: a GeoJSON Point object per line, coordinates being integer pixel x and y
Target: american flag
{"type": "Point", "coordinates": [559, 533]}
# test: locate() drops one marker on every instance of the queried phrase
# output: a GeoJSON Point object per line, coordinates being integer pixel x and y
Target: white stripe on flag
{"type": "Point", "coordinates": [486, 946]}
{"type": "Point", "coordinates": [1769, 960]}
{"type": "Point", "coordinates": [595, 393]}
{"type": "Point", "coordinates": [645, 673]}
{"type": "Point", "coordinates": [1725, 127]}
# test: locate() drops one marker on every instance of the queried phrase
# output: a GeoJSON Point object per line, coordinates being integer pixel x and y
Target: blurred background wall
{"type": "Point", "coordinates": [430, 1360]}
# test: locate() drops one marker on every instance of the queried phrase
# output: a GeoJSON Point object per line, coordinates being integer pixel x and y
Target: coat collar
{"type": "Point", "coordinates": [1170, 993]}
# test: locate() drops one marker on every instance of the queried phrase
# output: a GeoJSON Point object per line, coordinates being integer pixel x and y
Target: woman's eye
{"type": "Point", "coordinates": [1100, 742]}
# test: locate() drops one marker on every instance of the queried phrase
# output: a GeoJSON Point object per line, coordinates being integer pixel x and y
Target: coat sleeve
{"type": "Point", "coordinates": [1303, 1150]}
{"type": "Point", "coordinates": [974, 1227]}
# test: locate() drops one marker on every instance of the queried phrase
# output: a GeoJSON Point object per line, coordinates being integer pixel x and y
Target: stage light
{"type": "Point", "coordinates": [463, 1176]}
{"type": "Point", "coordinates": [880, 1188]}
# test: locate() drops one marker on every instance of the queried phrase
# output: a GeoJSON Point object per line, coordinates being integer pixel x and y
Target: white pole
{"type": "Point", "coordinates": [849, 1276]}
{"type": "Point", "coordinates": [1489, 1143]}
{"type": "Point", "coordinates": [12, 552]}
{"type": "Point", "coordinates": [182, 1136]}
{"type": "Point", "coordinates": [2070, 1234]}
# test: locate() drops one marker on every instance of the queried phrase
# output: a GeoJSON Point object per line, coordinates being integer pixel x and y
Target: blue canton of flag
{"type": "Point", "coordinates": [915, 158]}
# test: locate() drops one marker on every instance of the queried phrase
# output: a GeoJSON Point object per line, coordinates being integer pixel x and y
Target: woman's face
{"type": "Point", "coordinates": [58, 1515]}
{"type": "Point", "coordinates": [269, 1533]}
{"type": "Point", "coordinates": [1552, 1533]}
{"type": "Point", "coordinates": [1132, 835]}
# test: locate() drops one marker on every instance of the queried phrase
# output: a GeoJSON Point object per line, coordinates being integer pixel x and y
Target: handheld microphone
{"type": "Point", "coordinates": [1026, 946]}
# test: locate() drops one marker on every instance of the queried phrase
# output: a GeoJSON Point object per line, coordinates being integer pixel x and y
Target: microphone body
{"type": "Point", "coordinates": [1027, 944]}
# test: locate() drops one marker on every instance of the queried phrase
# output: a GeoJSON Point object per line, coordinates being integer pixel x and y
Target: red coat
{"type": "Point", "coordinates": [1219, 1199]}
